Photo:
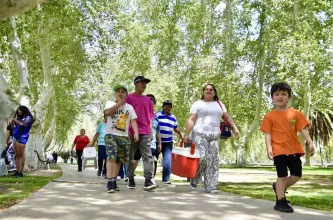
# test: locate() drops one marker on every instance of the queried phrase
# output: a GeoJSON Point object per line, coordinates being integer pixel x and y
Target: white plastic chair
{"type": "Point", "coordinates": [89, 153]}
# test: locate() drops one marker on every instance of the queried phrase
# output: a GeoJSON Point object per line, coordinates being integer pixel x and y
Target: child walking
{"type": "Point", "coordinates": [119, 114]}
{"type": "Point", "coordinates": [282, 144]}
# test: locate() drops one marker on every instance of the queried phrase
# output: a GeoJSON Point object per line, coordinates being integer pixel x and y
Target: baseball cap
{"type": "Point", "coordinates": [116, 87]}
{"type": "Point", "coordinates": [167, 102]}
{"type": "Point", "coordinates": [141, 78]}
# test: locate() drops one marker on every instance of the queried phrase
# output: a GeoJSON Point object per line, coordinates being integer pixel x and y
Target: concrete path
{"type": "Point", "coordinates": [83, 196]}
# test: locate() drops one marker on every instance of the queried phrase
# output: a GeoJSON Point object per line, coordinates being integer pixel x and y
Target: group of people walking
{"type": "Point", "coordinates": [134, 131]}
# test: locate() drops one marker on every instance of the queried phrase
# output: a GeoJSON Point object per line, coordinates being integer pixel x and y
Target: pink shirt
{"type": "Point", "coordinates": [144, 109]}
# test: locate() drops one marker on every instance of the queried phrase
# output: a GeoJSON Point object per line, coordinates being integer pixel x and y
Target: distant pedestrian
{"type": "Point", "coordinates": [80, 142]}
{"type": "Point", "coordinates": [99, 137]}
{"type": "Point", "coordinates": [282, 144]}
{"type": "Point", "coordinates": [55, 157]}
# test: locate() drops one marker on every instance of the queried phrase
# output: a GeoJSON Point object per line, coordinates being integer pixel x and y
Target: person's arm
{"type": "Point", "coordinates": [88, 140]}
{"type": "Point", "coordinates": [113, 109]}
{"type": "Point", "coordinates": [179, 133]}
{"type": "Point", "coordinates": [73, 143]}
{"type": "Point", "coordinates": [190, 123]}
{"type": "Point", "coordinates": [159, 141]}
{"type": "Point", "coordinates": [268, 142]}
{"type": "Point", "coordinates": [306, 135]}
{"type": "Point", "coordinates": [232, 124]}
{"type": "Point", "coordinates": [94, 140]}
{"type": "Point", "coordinates": [7, 137]}
{"type": "Point", "coordinates": [136, 131]}
{"type": "Point", "coordinates": [17, 122]}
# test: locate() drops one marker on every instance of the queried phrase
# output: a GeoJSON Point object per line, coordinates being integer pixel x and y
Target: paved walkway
{"type": "Point", "coordinates": [83, 196]}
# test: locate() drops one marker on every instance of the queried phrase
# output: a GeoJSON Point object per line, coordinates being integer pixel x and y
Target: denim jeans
{"type": "Point", "coordinates": [122, 171]}
{"type": "Point", "coordinates": [166, 152]}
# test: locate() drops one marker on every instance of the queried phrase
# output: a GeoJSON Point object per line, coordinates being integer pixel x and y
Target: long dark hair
{"type": "Point", "coordinates": [215, 97]}
{"type": "Point", "coordinates": [25, 112]}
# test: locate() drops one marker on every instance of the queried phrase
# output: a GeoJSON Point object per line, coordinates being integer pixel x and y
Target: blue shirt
{"type": "Point", "coordinates": [101, 128]}
{"type": "Point", "coordinates": [156, 128]}
{"type": "Point", "coordinates": [168, 123]}
{"type": "Point", "coordinates": [22, 132]}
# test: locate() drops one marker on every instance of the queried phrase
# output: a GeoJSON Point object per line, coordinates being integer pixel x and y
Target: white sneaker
{"type": "Point", "coordinates": [153, 181]}
{"type": "Point", "coordinates": [214, 191]}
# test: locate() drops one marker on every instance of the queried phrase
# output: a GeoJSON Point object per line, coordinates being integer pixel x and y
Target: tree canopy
{"type": "Point", "coordinates": [77, 50]}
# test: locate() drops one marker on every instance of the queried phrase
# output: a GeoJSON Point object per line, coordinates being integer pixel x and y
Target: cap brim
{"type": "Point", "coordinates": [119, 87]}
{"type": "Point", "coordinates": [146, 80]}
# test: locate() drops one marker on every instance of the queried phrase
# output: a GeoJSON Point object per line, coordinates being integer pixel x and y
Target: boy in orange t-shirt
{"type": "Point", "coordinates": [283, 146]}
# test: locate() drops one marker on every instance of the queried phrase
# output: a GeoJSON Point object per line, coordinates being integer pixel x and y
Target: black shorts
{"type": "Point", "coordinates": [293, 162]}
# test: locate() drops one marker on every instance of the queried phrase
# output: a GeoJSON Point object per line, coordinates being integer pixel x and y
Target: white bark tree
{"type": "Point", "coordinates": [10, 8]}
{"type": "Point", "coordinates": [21, 66]}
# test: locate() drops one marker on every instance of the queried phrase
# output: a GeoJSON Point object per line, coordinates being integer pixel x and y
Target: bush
{"type": "Point", "coordinates": [65, 155]}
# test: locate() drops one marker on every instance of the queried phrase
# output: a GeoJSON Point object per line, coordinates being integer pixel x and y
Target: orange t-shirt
{"type": "Point", "coordinates": [283, 125]}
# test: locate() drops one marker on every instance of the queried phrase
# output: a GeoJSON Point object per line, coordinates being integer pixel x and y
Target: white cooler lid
{"type": "Point", "coordinates": [186, 152]}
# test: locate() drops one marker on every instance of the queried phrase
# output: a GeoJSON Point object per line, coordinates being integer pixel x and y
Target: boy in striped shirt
{"type": "Point", "coordinates": [168, 124]}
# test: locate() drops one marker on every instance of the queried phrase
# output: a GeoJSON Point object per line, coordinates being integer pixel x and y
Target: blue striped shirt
{"type": "Point", "coordinates": [168, 123]}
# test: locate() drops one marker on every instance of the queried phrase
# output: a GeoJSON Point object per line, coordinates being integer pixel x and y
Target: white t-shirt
{"type": "Point", "coordinates": [118, 123]}
{"type": "Point", "coordinates": [209, 116]}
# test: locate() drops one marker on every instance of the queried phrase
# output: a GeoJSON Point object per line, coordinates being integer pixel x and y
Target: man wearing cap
{"type": "Point", "coordinates": [144, 109]}
{"type": "Point", "coordinates": [168, 124]}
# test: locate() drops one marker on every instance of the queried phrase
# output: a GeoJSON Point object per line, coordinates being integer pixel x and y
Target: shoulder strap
{"type": "Point", "coordinates": [223, 117]}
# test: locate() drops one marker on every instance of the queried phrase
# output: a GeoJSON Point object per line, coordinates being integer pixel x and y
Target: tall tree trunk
{"type": "Point", "coordinates": [2, 134]}
{"type": "Point", "coordinates": [44, 97]}
{"type": "Point", "coordinates": [48, 137]}
{"type": "Point", "coordinates": [7, 107]}
{"type": "Point", "coordinates": [14, 7]}
{"type": "Point", "coordinates": [259, 71]}
{"type": "Point", "coordinates": [306, 112]}
{"type": "Point", "coordinates": [21, 65]}
{"type": "Point", "coordinates": [47, 89]}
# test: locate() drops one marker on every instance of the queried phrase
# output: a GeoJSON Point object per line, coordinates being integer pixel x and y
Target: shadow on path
{"type": "Point", "coordinates": [83, 196]}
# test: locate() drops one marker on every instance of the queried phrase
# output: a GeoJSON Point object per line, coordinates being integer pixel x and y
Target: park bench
{"type": "Point", "coordinates": [42, 163]}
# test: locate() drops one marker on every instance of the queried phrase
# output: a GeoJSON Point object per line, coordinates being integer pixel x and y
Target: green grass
{"type": "Point", "coordinates": [14, 190]}
{"type": "Point", "coordinates": [315, 189]}
{"type": "Point", "coordinates": [311, 170]}
{"type": "Point", "coordinates": [308, 195]}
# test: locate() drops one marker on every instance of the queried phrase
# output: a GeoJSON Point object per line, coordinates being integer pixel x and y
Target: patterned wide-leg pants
{"type": "Point", "coordinates": [208, 146]}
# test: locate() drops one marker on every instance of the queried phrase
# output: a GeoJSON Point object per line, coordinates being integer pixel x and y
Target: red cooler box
{"type": "Point", "coordinates": [185, 161]}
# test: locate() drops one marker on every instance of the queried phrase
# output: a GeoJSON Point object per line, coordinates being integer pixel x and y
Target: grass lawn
{"type": "Point", "coordinates": [308, 195]}
{"type": "Point", "coordinates": [313, 170]}
{"type": "Point", "coordinates": [314, 190]}
{"type": "Point", "coordinates": [14, 190]}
